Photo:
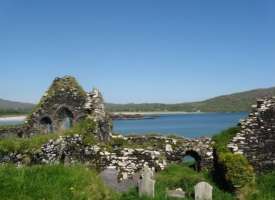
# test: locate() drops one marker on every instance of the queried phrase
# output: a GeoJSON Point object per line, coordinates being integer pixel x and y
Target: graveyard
{"type": "Point", "coordinates": [67, 146]}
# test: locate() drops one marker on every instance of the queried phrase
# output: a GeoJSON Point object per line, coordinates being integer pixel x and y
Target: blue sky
{"type": "Point", "coordinates": [137, 50]}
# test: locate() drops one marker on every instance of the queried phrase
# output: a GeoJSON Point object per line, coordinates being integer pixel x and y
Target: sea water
{"type": "Point", "coordinates": [187, 125]}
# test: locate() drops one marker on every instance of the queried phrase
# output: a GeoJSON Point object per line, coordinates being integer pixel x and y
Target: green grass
{"type": "Point", "coordinates": [176, 176]}
{"type": "Point", "coordinates": [223, 138]}
{"type": "Point", "coordinates": [52, 183]}
{"type": "Point", "coordinates": [84, 128]}
{"type": "Point", "coordinates": [265, 187]}
{"type": "Point", "coordinates": [21, 145]}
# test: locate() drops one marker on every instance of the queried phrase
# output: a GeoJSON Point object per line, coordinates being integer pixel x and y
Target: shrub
{"type": "Point", "coordinates": [232, 171]}
{"type": "Point", "coordinates": [238, 172]}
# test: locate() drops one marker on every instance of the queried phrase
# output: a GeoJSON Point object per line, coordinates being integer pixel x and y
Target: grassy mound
{"type": "Point", "coordinates": [52, 182]}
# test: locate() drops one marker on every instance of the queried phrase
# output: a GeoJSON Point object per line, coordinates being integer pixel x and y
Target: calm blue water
{"type": "Point", "coordinates": [188, 125]}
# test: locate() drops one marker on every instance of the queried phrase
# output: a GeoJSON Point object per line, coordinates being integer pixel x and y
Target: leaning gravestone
{"type": "Point", "coordinates": [110, 178]}
{"type": "Point", "coordinates": [203, 191]}
{"type": "Point", "coordinates": [146, 184]}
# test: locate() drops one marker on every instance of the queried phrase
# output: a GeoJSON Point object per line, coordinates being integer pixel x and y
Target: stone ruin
{"type": "Point", "coordinates": [64, 104]}
{"type": "Point", "coordinates": [256, 139]}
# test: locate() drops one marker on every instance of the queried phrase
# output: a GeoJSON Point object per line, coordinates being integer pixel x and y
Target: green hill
{"type": "Point", "coordinates": [227, 103]}
{"type": "Point", "coordinates": [236, 102]}
{"type": "Point", "coordinates": [14, 107]}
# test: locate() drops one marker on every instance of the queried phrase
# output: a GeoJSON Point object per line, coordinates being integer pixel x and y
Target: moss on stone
{"type": "Point", "coordinates": [67, 83]}
{"type": "Point", "coordinates": [222, 139]}
{"type": "Point", "coordinates": [233, 170]}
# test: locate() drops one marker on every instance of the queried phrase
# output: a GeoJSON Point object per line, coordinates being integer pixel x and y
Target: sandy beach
{"type": "Point", "coordinates": [13, 118]}
{"type": "Point", "coordinates": [23, 117]}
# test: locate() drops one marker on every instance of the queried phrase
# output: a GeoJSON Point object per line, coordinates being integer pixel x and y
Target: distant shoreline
{"type": "Point", "coordinates": [13, 118]}
{"type": "Point", "coordinates": [23, 117]}
{"type": "Point", "coordinates": [156, 113]}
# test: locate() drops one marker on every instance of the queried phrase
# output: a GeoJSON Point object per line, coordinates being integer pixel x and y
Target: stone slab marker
{"type": "Point", "coordinates": [146, 184]}
{"type": "Point", "coordinates": [178, 193]}
{"type": "Point", "coordinates": [203, 191]}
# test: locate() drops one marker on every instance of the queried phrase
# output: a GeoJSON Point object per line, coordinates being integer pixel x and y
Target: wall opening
{"type": "Point", "coordinates": [192, 160]}
{"type": "Point", "coordinates": [46, 125]}
{"type": "Point", "coordinates": [65, 118]}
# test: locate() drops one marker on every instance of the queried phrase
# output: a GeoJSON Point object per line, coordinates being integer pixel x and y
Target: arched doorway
{"type": "Point", "coordinates": [192, 159]}
{"type": "Point", "coordinates": [65, 118]}
{"type": "Point", "coordinates": [46, 125]}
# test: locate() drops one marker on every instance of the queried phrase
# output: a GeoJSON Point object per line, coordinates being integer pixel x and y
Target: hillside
{"type": "Point", "coordinates": [236, 102]}
{"type": "Point", "coordinates": [227, 103]}
{"type": "Point", "coordinates": [14, 107]}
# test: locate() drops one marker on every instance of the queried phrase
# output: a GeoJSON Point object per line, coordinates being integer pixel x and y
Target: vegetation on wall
{"type": "Point", "coordinates": [85, 128]}
{"type": "Point", "coordinates": [232, 171]}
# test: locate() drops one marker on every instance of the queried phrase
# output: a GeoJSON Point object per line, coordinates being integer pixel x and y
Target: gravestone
{"type": "Point", "coordinates": [146, 183]}
{"type": "Point", "coordinates": [110, 178]}
{"type": "Point", "coordinates": [178, 193]}
{"type": "Point", "coordinates": [203, 191]}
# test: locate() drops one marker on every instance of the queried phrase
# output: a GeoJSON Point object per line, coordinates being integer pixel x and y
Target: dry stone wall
{"type": "Point", "coordinates": [256, 140]}
{"type": "Point", "coordinates": [126, 160]}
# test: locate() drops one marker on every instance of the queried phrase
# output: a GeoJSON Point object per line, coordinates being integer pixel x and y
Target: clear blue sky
{"type": "Point", "coordinates": [137, 50]}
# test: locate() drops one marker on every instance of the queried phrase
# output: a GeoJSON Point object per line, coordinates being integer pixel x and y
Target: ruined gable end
{"type": "Point", "coordinates": [64, 104]}
{"type": "Point", "coordinates": [256, 140]}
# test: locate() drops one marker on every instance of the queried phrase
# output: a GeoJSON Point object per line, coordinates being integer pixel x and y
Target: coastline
{"type": "Point", "coordinates": [156, 113]}
{"type": "Point", "coordinates": [23, 117]}
{"type": "Point", "coordinates": [13, 118]}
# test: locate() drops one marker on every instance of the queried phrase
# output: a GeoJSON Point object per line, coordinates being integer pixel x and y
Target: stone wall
{"type": "Point", "coordinates": [256, 140]}
{"type": "Point", "coordinates": [12, 131]}
{"type": "Point", "coordinates": [126, 159]}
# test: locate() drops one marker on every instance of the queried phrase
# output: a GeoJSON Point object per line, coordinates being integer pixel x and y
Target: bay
{"type": "Point", "coordinates": [186, 125]}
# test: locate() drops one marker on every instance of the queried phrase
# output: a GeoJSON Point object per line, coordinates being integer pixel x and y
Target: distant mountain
{"type": "Point", "coordinates": [14, 107]}
{"type": "Point", "coordinates": [236, 102]}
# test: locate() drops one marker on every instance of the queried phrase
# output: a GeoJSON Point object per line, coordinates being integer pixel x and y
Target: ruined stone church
{"type": "Point", "coordinates": [66, 103]}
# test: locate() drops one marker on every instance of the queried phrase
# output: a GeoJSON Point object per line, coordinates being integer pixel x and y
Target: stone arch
{"type": "Point", "coordinates": [64, 118]}
{"type": "Point", "coordinates": [46, 124]}
{"type": "Point", "coordinates": [196, 156]}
